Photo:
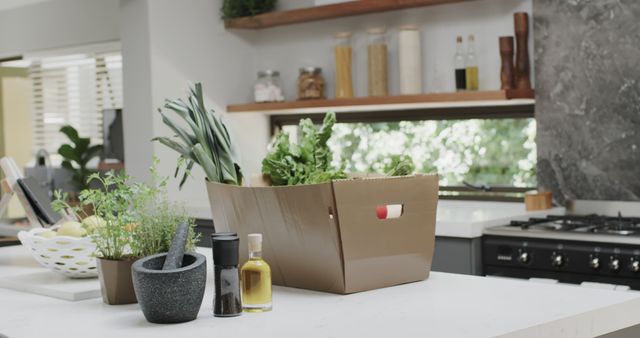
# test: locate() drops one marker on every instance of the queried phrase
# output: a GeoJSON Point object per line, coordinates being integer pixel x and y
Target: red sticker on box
{"type": "Point", "coordinates": [389, 211]}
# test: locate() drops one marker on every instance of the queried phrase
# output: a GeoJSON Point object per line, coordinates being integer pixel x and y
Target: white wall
{"type": "Point", "coordinates": [57, 24]}
{"type": "Point", "coordinates": [186, 42]}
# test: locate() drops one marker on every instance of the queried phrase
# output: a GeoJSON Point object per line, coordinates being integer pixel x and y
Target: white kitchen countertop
{"type": "Point", "coordinates": [467, 219]}
{"type": "Point", "coordinates": [445, 305]}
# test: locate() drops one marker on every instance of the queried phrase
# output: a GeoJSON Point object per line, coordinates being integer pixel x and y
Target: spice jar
{"type": "Point", "coordinates": [310, 83]}
{"type": "Point", "coordinates": [268, 87]}
{"type": "Point", "coordinates": [377, 63]}
{"type": "Point", "coordinates": [343, 59]}
{"type": "Point", "coordinates": [227, 299]}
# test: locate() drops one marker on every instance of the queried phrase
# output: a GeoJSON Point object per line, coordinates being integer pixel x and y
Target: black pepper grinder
{"type": "Point", "coordinates": [226, 302]}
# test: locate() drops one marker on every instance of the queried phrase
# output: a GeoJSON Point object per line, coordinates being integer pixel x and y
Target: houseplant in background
{"type": "Point", "coordinates": [77, 155]}
{"type": "Point", "coordinates": [241, 8]}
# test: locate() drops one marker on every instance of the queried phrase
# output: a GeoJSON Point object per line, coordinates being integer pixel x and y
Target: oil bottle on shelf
{"type": "Point", "coordinates": [471, 63]}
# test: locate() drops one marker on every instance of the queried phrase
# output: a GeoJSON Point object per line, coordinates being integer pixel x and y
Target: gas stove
{"type": "Point", "coordinates": [573, 248]}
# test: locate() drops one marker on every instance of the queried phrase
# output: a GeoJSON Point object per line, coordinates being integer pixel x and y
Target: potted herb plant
{"type": "Point", "coordinates": [111, 229]}
{"type": "Point", "coordinates": [131, 220]}
{"type": "Point", "coordinates": [167, 294]}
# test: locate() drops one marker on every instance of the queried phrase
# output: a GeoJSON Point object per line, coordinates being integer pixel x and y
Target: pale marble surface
{"type": "Point", "coordinates": [19, 271]}
{"type": "Point", "coordinates": [467, 219]}
{"type": "Point", "coordinates": [445, 305]}
{"type": "Point", "coordinates": [587, 98]}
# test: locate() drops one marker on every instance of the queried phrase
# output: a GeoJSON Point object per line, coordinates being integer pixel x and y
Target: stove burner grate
{"type": "Point", "coordinates": [609, 225]}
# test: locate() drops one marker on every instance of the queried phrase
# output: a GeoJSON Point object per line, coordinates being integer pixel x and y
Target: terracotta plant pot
{"type": "Point", "coordinates": [115, 281]}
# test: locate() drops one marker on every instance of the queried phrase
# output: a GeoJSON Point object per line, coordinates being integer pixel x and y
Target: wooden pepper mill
{"type": "Point", "coordinates": [522, 73]}
{"type": "Point", "coordinates": [506, 56]}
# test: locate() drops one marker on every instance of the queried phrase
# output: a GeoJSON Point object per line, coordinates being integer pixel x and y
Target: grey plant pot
{"type": "Point", "coordinates": [170, 296]}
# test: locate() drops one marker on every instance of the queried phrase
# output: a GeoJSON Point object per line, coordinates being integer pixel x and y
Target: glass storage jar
{"type": "Point", "coordinates": [343, 59]}
{"type": "Point", "coordinates": [310, 83]}
{"type": "Point", "coordinates": [268, 87]}
{"type": "Point", "coordinates": [377, 72]}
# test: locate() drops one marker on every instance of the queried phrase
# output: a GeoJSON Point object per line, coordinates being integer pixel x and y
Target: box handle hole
{"type": "Point", "coordinates": [389, 211]}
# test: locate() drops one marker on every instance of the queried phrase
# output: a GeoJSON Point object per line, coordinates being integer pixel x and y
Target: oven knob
{"type": "Point", "coordinates": [614, 264]}
{"type": "Point", "coordinates": [557, 260]}
{"type": "Point", "coordinates": [594, 263]}
{"type": "Point", "coordinates": [634, 266]}
{"type": "Point", "coordinates": [523, 258]}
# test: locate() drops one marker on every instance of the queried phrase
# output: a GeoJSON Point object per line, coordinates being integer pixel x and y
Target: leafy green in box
{"type": "Point", "coordinates": [308, 161]}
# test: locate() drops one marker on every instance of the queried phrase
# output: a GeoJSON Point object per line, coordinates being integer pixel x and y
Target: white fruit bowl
{"type": "Point", "coordinates": [71, 256]}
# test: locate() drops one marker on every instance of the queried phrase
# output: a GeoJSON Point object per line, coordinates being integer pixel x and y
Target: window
{"type": "Point", "coordinates": [471, 148]}
{"type": "Point", "coordinates": [478, 151]}
{"type": "Point", "coordinates": [73, 89]}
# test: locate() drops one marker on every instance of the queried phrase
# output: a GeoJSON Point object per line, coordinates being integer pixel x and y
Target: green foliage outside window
{"type": "Point", "coordinates": [496, 152]}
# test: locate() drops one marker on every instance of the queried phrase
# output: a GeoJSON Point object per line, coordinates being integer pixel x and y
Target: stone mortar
{"type": "Point", "coordinates": [170, 296]}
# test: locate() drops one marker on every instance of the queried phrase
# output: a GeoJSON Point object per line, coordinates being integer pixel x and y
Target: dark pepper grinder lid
{"type": "Point", "coordinates": [225, 250]}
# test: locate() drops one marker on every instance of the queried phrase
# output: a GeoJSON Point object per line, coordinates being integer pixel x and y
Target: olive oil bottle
{"type": "Point", "coordinates": [256, 278]}
{"type": "Point", "coordinates": [472, 65]}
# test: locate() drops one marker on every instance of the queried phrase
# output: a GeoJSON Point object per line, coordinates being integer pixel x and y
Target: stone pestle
{"type": "Point", "coordinates": [176, 251]}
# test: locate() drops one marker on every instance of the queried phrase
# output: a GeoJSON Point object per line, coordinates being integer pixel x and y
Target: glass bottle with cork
{"type": "Point", "coordinates": [343, 58]}
{"type": "Point", "coordinates": [256, 278]}
{"type": "Point", "coordinates": [459, 66]}
{"type": "Point", "coordinates": [471, 65]}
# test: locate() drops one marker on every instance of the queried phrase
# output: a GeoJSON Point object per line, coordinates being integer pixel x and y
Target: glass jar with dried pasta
{"type": "Point", "coordinates": [311, 83]}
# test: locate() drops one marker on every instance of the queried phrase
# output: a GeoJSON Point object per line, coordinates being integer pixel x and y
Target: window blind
{"type": "Point", "coordinates": [74, 90]}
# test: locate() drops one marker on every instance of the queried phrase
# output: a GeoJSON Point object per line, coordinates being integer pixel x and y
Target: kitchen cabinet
{"type": "Point", "coordinates": [458, 255]}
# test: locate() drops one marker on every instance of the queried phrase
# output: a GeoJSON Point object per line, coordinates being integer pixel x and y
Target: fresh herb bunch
{"type": "Point", "coordinates": [158, 218]}
{"type": "Point", "coordinates": [115, 202]}
{"type": "Point", "coordinates": [206, 141]}
{"type": "Point", "coordinates": [241, 8]}
{"type": "Point", "coordinates": [307, 162]}
{"type": "Point", "coordinates": [400, 165]}
{"type": "Point", "coordinates": [77, 155]}
{"type": "Point", "coordinates": [135, 219]}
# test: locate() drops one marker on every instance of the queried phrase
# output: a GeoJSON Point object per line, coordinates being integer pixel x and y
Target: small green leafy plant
{"type": "Point", "coordinates": [131, 219]}
{"type": "Point", "coordinates": [241, 8]}
{"type": "Point", "coordinates": [114, 202]}
{"type": "Point", "coordinates": [307, 162]}
{"type": "Point", "coordinates": [77, 155]}
{"type": "Point", "coordinates": [399, 165]}
{"type": "Point", "coordinates": [206, 141]}
{"type": "Point", "coordinates": [158, 219]}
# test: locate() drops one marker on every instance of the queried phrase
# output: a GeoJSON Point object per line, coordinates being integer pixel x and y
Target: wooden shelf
{"type": "Point", "coordinates": [352, 8]}
{"type": "Point", "coordinates": [403, 102]}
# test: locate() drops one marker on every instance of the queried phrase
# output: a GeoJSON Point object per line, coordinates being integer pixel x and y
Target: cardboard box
{"type": "Point", "coordinates": [329, 237]}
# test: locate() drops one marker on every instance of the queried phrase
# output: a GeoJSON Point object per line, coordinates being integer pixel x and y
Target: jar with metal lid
{"type": "Point", "coordinates": [310, 83]}
{"type": "Point", "coordinates": [268, 87]}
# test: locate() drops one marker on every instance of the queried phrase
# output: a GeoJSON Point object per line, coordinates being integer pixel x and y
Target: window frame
{"type": "Point", "coordinates": [498, 193]}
